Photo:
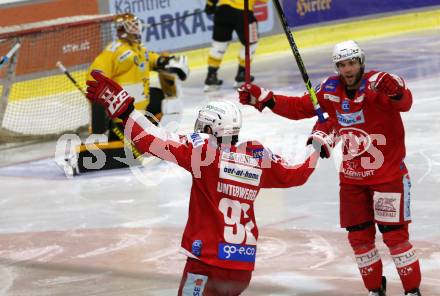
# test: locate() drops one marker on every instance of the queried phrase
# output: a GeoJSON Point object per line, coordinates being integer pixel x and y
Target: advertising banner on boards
{"type": "Point", "coordinates": [177, 24]}
{"type": "Point", "coordinates": [306, 12]}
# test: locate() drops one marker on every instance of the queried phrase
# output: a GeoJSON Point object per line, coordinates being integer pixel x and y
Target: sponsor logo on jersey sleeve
{"type": "Point", "coordinates": [350, 119]}
{"type": "Point", "coordinates": [195, 139]}
{"type": "Point", "coordinates": [331, 85]}
{"type": "Point", "coordinates": [124, 55]}
{"type": "Point", "coordinates": [234, 252]}
{"type": "Point", "coordinates": [240, 173]}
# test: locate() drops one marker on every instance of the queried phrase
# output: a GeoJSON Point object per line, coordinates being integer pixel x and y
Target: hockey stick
{"type": "Point", "coordinates": [299, 61]}
{"type": "Point", "coordinates": [247, 58]}
{"type": "Point", "coordinates": [11, 52]}
{"type": "Point", "coordinates": [117, 131]}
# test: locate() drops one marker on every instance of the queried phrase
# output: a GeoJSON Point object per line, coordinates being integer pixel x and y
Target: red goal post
{"type": "Point", "coordinates": [37, 100]}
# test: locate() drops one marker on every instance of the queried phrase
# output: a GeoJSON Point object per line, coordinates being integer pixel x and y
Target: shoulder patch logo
{"type": "Point", "coordinates": [331, 85]}
{"type": "Point", "coordinates": [196, 140]}
{"type": "Point", "coordinates": [124, 55]}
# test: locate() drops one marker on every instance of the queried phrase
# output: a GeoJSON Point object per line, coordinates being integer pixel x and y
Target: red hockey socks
{"type": "Point", "coordinates": [367, 256]}
{"type": "Point", "coordinates": [407, 265]}
{"type": "Point", "coordinates": [370, 267]}
{"type": "Point", "coordinates": [404, 257]}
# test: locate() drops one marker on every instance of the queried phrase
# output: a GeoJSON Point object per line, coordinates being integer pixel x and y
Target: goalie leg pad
{"type": "Point", "coordinates": [169, 84]}
{"type": "Point", "coordinates": [172, 110]}
{"type": "Point", "coordinates": [361, 238]}
{"type": "Point", "coordinates": [99, 119]}
{"type": "Point", "coordinates": [104, 156]}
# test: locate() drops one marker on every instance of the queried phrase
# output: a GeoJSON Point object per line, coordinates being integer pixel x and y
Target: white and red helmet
{"type": "Point", "coordinates": [347, 50]}
{"type": "Point", "coordinates": [223, 117]}
{"type": "Point", "coordinates": [129, 26]}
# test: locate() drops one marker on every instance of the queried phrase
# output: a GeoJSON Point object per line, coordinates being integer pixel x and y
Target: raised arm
{"type": "Point", "coordinates": [285, 106]}
{"type": "Point", "coordinates": [393, 88]}
{"type": "Point", "coordinates": [145, 135]}
{"type": "Point", "coordinates": [279, 174]}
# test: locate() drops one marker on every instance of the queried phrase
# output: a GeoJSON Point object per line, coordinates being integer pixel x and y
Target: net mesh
{"type": "Point", "coordinates": [37, 99]}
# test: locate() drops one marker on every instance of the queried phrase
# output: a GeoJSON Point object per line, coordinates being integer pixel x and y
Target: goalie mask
{"type": "Point", "coordinates": [129, 27]}
{"type": "Point", "coordinates": [223, 117]}
{"type": "Point", "coordinates": [347, 50]}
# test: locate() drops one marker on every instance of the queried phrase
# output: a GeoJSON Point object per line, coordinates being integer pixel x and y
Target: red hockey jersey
{"type": "Point", "coordinates": [221, 229]}
{"type": "Point", "coordinates": [369, 125]}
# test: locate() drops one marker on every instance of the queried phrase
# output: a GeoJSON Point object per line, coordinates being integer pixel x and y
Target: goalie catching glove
{"type": "Point", "coordinates": [174, 64]}
{"type": "Point", "coordinates": [104, 91]}
{"type": "Point", "coordinates": [323, 138]}
{"type": "Point", "coordinates": [251, 94]}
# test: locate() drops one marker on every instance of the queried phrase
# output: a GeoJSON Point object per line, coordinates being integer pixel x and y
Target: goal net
{"type": "Point", "coordinates": [37, 99]}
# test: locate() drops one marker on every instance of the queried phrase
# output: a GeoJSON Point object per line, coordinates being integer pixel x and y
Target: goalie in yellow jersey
{"type": "Point", "coordinates": [229, 17]}
{"type": "Point", "coordinates": [128, 62]}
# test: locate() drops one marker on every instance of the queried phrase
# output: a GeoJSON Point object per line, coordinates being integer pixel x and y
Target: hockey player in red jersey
{"type": "Point", "coordinates": [374, 183]}
{"type": "Point", "coordinates": [221, 234]}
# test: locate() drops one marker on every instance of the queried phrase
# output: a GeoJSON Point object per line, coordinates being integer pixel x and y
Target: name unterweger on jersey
{"type": "Point", "coordinates": [237, 191]}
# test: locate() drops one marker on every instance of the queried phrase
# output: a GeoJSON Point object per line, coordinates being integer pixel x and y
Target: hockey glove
{"type": "Point", "coordinates": [210, 7]}
{"type": "Point", "coordinates": [162, 61]}
{"type": "Point", "coordinates": [323, 138]}
{"type": "Point", "coordinates": [104, 91]}
{"type": "Point", "coordinates": [251, 94]}
{"type": "Point", "coordinates": [178, 65]}
{"type": "Point", "coordinates": [389, 84]}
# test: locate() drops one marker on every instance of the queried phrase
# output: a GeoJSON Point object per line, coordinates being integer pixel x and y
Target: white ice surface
{"type": "Point", "coordinates": [35, 197]}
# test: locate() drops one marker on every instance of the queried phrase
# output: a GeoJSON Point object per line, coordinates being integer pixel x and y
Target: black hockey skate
{"type": "Point", "coordinates": [240, 77]}
{"type": "Point", "coordinates": [212, 82]}
{"type": "Point", "coordinates": [382, 290]}
{"type": "Point", "coordinates": [415, 292]}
